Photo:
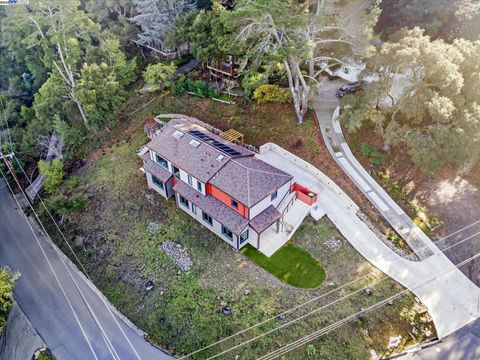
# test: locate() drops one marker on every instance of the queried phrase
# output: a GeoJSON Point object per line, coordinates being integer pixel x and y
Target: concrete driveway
{"type": "Point", "coordinates": [451, 298]}
{"type": "Point", "coordinates": [326, 107]}
{"type": "Point", "coordinates": [68, 312]}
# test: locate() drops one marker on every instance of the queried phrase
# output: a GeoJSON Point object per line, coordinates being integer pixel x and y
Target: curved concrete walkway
{"type": "Point", "coordinates": [451, 298]}
{"type": "Point", "coordinates": [326, 107]}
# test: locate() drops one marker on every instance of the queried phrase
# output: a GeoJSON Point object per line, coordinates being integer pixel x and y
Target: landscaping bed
{"type": "Point", "coordinates": [291, 264]}
{"type": "Point", "coordinates": [194, 294]}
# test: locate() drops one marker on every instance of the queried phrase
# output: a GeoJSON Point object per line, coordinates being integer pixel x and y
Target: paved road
{"type": "Point", "coordinates": [326, 108]}
{"type": "Point", "coordinates": [452, 299]}
{"type": "Point", "coordinates": [464, 344]}
{"type": "Point", "coordinates": [50, 292]}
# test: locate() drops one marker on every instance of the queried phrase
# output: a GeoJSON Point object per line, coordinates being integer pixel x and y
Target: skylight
{"type": "Point", "coordinates": [177, 134]}
{"type": "Point", "coordinates": [194, 143]}
{"type": "Point", "coordinates": [220, 158]}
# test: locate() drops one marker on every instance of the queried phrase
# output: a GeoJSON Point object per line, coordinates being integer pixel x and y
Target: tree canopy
{"type": "Point", "coordinates": [438, 114]}
{"type": "Point", "coordinates": [7, 282]}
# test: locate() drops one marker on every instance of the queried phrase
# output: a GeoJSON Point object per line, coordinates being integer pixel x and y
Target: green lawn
{"type": "Point", "coordinates": [290, 264]}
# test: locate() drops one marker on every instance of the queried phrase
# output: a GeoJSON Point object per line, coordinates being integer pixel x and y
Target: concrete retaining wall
{"type": "Point", "coordinates": [325, 180]}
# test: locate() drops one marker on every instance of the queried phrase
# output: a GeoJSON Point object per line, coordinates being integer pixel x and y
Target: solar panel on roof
{"type": "Point", "coordinates": [218, 145]}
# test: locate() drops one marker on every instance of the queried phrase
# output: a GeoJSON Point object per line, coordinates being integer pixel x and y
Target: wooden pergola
{"type": "Point", "coordinates": [232, 136]}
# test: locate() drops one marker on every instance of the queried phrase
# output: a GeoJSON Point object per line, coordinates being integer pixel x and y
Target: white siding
{"type": "Point", "coordinates": [153, 186]}
{"type": "Point", "coordinates": [263, 204]}
{"type": "Point", "coordinates": [184, 178]}
{"type": "Point", "coordinates": [183, 175]}
{"type": "Point", "coordinates": [216, 227]}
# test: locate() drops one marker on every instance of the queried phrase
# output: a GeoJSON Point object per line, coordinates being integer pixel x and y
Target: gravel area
{"type": "Point", "coordinates": [178, 254]}
{"type": "Point", "coordinates": [334, 244]}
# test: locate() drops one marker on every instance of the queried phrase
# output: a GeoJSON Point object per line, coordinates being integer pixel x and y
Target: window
{"type": "Point", "coordinates": [194, 208]}
{"type": "Point", "coordinates": [183, 201]}
{"type": "Point", "coordinates": [234, 204]}
{"type": "Point", "coordinates": [274, 196]}
{"type": "Point", "coordinates": [199, 186]}
{"type": "Point", "coordinates": [207, 218]}
{"type": "Point", "coordinates": [157, 182]}
{"type": "Point", "coordinates": [190, 180]}
{"type": "Point", "coordinates": [346, 70]}
{"type": "Point", "coordinates": [244, 237]}
{"type": "Point", "coordinates": [161, 161]}
{"type": "Point", "coordinates": [176, 171]}
{"type": "Point", "coordinates": [227, 233]}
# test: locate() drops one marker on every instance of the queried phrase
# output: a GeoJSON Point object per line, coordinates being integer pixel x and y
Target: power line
{"type": "Point", "coordinates": [327, 329]}
{"type": "Point", "coordinates": [321, 308]}
{"type": "Point", "coordinates": [75, 255]}
{"type": "Point", "coordinates": [378, 257]}
{"type": "Point", "coordinates": [53, 271]}
{"type": "Point", "coordinates": [288, 311]}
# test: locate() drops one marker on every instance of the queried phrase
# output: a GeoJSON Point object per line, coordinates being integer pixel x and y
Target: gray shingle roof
{"type": "Point", "coordinates": [249, 179]}
{"type": "Point", "coordinates": [201, 162]}
{"type": "Point", "coordinates": [266, 218]}
{"type": "Point", "coordinates": [213, 207]}
{"type": "Point", "coordinates": [153, 168]}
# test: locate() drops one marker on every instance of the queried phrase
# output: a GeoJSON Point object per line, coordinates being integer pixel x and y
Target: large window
{"type": "Point", "coordinates": [183, 201]}
{"type": "Point", "coordinates": [157, 182]}
{"type": "Point", "coordinates": [161, 161]}
{"type": "Point", "coordinates": [227, 233]}
{"type": "Point", "coordinates": [207, 218]}
{"type": "Point", "coordinates": [274, 196]}
{"type": "Point", "coordinates": [175, 171]}
{"type": "Point", "coordinates": [234, 204]}
{"type": "Point", "coordinates": [244, 237]}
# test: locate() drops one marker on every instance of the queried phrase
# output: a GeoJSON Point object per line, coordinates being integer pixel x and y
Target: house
{"type": "Point", "coordinates": [348, 70]}
{"type": "Point", "coordinates": [225, 186]}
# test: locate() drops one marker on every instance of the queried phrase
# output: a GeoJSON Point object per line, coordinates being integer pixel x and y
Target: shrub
{"type": "Point", "coordinates": [199, 87]}
{"type": "Point", "coordinates": [310, 351]}
{"type": "Point", "coordinates": [66, 206]}
{"type": "Point", "coordinates": [72, 182]}
{"type": "Point", "coordinates": [7, 281]}
{"type": "Point", "coordinates": [53, 173]}
{"type": "Point", "coordinates": [373, 154]}
{"type": "Point", "coordinates": [251, 81]}
{"type": "Point", "coordinates": [180, 86]}
{"type": "Point", "coordinates": [270, 93]}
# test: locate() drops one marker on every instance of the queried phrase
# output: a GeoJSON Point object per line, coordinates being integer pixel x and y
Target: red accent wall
{"type": "Point", "coordinates": [302, 194]}
{"type": "Point", "coordinates": [226, 199]}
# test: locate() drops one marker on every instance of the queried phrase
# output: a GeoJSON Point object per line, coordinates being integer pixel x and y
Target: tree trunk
{"type": "Point", "coordinates": [298, 88]}
{"type": "Point", "coordinates": [79, 105]}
